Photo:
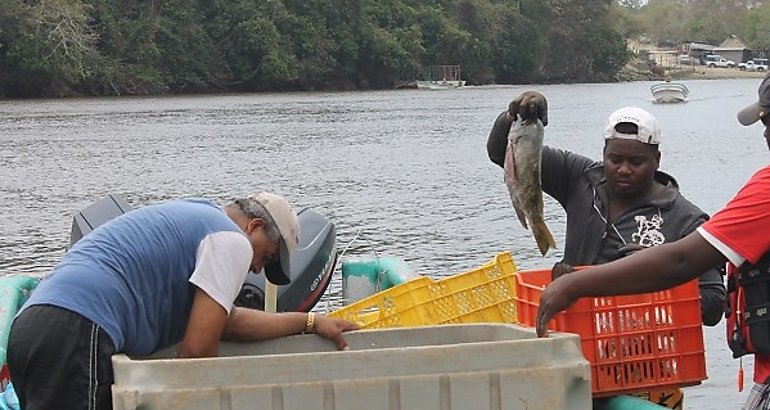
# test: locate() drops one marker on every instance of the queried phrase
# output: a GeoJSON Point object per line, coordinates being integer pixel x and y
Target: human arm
{"type": "Point", "coordinates": [711, 284]}
{"type": "Point", "coordinates": [209, 323]}
{"type": "Point", "coordinates": [712, 296]}
{"type": "Point", "coordinates": [222, 262]}
{"type": "Point", "coordinates": [498, 138]}
{"type": "Point", "coordinates": [652, 269]}
{"type": "Point", "coordinates": [204, 327]}
{"type": "Point", "coordinates": [250, 325]}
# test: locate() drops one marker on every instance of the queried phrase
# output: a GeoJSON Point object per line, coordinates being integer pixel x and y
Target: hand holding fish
{"type": "Point", "coordinates": [529, 105]}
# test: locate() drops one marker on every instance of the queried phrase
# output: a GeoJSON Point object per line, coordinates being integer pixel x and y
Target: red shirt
{"type": "Point", "coordinates": [743, 225]}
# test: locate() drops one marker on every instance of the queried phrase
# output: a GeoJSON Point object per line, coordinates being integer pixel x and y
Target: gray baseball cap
{"type": "Point", "coordinates": [759, 109]}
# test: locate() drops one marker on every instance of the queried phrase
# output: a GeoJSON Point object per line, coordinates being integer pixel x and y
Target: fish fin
{"type": "Point", "coordinates": [543, 237]}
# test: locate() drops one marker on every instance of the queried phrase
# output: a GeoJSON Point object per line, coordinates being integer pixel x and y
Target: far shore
{"type": "Point", "coordinates": [700, 72]}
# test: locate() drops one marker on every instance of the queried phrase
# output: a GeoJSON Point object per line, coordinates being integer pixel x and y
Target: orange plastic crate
{"type": "Point", "coordinates": [633, 342]}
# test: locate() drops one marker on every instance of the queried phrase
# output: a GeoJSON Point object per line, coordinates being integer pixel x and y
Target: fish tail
{"type": "Point", "coordinates": [543, 237]}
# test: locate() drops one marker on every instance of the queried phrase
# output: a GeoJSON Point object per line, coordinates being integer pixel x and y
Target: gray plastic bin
{"type": "Point", "coordinates": [473, 366]}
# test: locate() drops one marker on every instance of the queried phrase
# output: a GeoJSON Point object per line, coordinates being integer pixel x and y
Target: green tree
{"type": "Point", "coordinates": [188, 58]}
{"type": "Point", "coordinates": [756, 31]}
{"type": "Point", "coordinates": [129, 51]}
{"type": "Point", "coordinates": [257, 54]}
{"type": "Point", "coordinates": [520, 47]}
{"type": "Point", "coordinates": [45, 45]}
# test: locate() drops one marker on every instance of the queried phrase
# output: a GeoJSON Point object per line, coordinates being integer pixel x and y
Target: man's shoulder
{"type": "Point", "coordinates": [683, 215]}
{"type": "Point", "coordinates": [193, 202]}
{"type": "Point", "coordinates": [671, 197]}
{"type": "Point", "coordinates": [759, 181]}
{"type": "Point", "coordinates": [578, 163]}
{"type": "Point", "coordinates": [191, 206]}
{"type": "Point", "coordinates": [685, 206]}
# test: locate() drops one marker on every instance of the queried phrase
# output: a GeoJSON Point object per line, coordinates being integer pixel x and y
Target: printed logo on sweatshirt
{"type": "Point", "coordinates": [648, 231]}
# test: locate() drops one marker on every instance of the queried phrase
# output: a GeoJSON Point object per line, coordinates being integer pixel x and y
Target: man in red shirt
{"type": "Point", "coordinates": [737, 234]}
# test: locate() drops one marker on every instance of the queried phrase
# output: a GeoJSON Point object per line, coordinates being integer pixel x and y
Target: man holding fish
{"type": "Point", "coordinates": [614, 207]}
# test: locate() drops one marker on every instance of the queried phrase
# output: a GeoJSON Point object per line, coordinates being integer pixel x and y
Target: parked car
{"type": "Point", "coordinates": [757, 64]}
{"type": "Point", "coordinates": [715, 60]}
{"type": "Point", "coordinates": [684, 59]}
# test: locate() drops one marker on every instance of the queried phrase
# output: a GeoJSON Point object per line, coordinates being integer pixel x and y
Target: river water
{"type": "Point", "coordinates": [403, 172]}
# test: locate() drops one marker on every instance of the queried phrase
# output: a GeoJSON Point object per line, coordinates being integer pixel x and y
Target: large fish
{"type": "Point", "coordinates": [522, 176]}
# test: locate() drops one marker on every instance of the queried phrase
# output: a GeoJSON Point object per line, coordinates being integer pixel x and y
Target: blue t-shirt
{"type": "Point", "coordinates": [131, 276]}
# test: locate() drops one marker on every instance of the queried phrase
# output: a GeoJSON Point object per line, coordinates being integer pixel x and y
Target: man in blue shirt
{"type": "Point", "coordinates": [151, 278]}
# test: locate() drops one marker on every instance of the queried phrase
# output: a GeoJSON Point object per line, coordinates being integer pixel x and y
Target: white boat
{"type": "Point", "coordinates": [669, 92]}
{"type": "Point", "coordinates": [441, 77]}
{"type": "Point", "coordinates": [439, 85]}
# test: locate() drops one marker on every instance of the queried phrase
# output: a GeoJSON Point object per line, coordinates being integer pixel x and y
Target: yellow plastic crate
{"type": "Point", "coordinates": [485, 294]}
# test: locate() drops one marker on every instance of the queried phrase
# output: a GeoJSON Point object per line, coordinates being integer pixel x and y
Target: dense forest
{"type": "Point", "coordinates": [120, 47]}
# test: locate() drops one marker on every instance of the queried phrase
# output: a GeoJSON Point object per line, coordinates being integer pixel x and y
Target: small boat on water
{"type": "Point", "coordinates": [441, 77]}
{"type": "Point", "coordinates": [439, 85]}
{"type": "Point", "coordinates": [669, 92]}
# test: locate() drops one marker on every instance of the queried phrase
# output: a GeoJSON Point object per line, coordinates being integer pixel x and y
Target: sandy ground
{"type": "Point", "coordinates": [703, 72]}
{"type": "Point", "coordinates": [637, 71]}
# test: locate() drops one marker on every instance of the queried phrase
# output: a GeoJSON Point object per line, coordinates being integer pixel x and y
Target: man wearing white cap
{"type": "Point", "coordinates": [149, 279]}
{"type": "Point", "coordinates": [617, 206]}
{"type": "Point", "coordinates": [736, 235]}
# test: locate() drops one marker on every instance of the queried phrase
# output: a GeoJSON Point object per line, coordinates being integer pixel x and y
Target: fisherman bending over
{"type": "Point", "coordinates": [146, 280]}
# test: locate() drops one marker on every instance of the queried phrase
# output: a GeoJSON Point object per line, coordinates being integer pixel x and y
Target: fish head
{"type": "Point", "coordinates": [527, 129]}
{"type": "Point", "coordinates": [629, 166]}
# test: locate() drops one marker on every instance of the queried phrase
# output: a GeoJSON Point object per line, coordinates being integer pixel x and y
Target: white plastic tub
{"type": "Point", "coordinates": [473, 366]}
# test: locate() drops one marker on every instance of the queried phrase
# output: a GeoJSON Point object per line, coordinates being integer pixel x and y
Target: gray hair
{"type": "Point", "coordinates": [254, 209]}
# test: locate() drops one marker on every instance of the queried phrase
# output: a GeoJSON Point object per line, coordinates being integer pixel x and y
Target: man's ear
{"type": "Point", "coordinates": [254, 224]}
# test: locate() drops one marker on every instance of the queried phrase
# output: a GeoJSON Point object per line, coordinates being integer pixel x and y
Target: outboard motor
{"type": "Point", "coordinates": [94, 215]}
{"type": "Point", "coordinates": [312, 262]}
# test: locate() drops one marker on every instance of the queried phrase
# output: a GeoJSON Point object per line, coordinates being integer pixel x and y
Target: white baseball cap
{"type": "Point", "coordinates": [279, 272]}
{"type": "Point", "coordinates": [649, 128]}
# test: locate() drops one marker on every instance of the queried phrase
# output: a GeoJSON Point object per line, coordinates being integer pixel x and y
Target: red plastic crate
{"type": "Point", "coordinates": [633, 342]}
{"type": "Point", "coordinates": [5, 377]}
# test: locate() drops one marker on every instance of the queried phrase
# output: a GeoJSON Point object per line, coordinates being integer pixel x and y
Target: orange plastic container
{"type": "Point", "coordinates": [633, 342]}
